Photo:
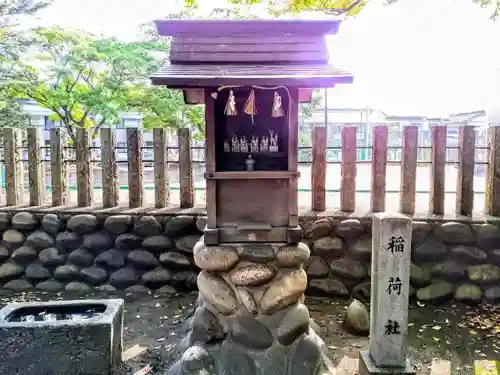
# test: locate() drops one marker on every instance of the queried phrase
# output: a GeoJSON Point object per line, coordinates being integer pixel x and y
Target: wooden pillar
{"type": "Point", "coordinates": [465, 178]}
{"type": "Point", "coordinates": [110, 188]}
{"type": "Point", "coordinates": [58, 167]}
{"type": "Point", "coordinates": [211, 185]}
{"type": "Point", "coordinates": [36, 175]}
{"type": "Point", "coordinates": [293, 165]}
{"type": "Point", "coordinates": [160, 155]}
{"type": "Point", "coordinates": [379, 167]}
{"type": "Point", "coordinates": [318, 169]}
{"type": "Point", "coordinates": [437, 174]}
{"type": "Point", "coordinates": [409, 170]}
{"type": "Point", "coordinates": [84, 183]}
{"type": "Point", "coordinates": [492, 196]}
{"type": "Point", "coordinates": [185, 169]}
{"type": "Point", "coordinates": [348, 170]}
{"type": "Point", "coordinates": [13, 167]}
{"type": "Point", "coordinates": [135, 168]}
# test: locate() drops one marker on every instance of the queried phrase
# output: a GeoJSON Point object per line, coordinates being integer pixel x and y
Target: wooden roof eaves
{"type": "Point", "coordinates": [199, 82]}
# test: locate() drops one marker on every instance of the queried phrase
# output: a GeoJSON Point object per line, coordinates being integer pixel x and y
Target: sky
{"type": "Point", "coordinates": [416, 57]}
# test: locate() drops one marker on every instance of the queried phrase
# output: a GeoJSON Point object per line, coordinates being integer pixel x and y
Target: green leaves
{"type": "Point", "coordinates": [13, 43]}
{"type": "Point", "coordinates": [335, 7]}
{"type": "Point", "coordinates": [84, 80]}
{"type": "Point", "coordinates": [162, 107]}
{"type": "Point", "coordinates": [308, 108]}
{"type": "Point", "coordinates": [493, 4]}
{"type": "Point", "coordinates": [276, 8]}
{"type": "Point", "coordinates": [89, 82]}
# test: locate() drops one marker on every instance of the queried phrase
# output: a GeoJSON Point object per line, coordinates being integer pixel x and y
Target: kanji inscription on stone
{"type": "Point", "coordinates": [390, 289]}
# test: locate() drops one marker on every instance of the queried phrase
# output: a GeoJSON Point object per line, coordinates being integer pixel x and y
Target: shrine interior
{"type": "Point", "coordinates": [261, 135]}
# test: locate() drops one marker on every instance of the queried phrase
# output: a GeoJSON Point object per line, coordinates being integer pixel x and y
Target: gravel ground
{"type": "Point", "coordinates": [456, 333]}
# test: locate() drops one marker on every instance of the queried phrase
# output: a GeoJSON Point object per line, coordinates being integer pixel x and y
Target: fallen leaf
{"type": "Point", "coordinates": [145, 370]}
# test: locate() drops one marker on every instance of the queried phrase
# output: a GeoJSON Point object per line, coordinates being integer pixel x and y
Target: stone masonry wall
{"type": "Point", "coordinates": [450, 260]}
{"type": "Point", "coordinates": [134, 253]}
{"type": "Point", "coordinates": [81, 252]}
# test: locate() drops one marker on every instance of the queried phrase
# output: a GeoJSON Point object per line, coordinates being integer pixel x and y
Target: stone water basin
{"type": "Point", "coordinates": [82, 337]}
{"type": "Point", "coordinates": [45, 313]}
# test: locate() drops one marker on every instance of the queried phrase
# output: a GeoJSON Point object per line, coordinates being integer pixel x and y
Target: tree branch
{"type": "Point", "coordinates": [84, 117]}
{"type": "Point", "coordinates": [73, 84]}
{"type": "Point", "coordinates": [340, 11]}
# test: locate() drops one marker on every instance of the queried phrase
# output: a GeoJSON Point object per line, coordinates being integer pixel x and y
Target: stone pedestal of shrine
{"type": "Point", "coordinates": [250, 318]}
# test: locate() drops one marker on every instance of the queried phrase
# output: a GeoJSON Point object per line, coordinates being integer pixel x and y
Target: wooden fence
{"type": "Point", "coordinates": [84, 161]}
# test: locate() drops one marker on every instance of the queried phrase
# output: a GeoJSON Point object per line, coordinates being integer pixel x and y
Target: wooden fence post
{"type": "Point", "coordinates": [58, 167]}
{"type": "Point", "coordinates": [465, 179]}
{"type": "Point", "coordinates": [348, 170]}
{"type": "Point", "coordinates": [492, 196]}
{"type": "Point", "coordinates": [318, 169]}
{"type": "Point", "coordinates": [84, 183]}
{"type": "Point", "coordinates": [409, 170]}
{"type": "Point", "coordinates": [110, 192]}
{"type": "Point", "coordinates": [135, 168]}
{"type": "Point", "coordinates": [379, 167]}
{"type": "Point", "coordinates": [36, 175]}
{"type": "Point", "coordinates": [438, 163]}
{"type": "Point", "coordinates": [185, 169]}
{"type": "Point", "coordinates": [162, 188]}
{"type": "Point", "coordinates": [13, 167]}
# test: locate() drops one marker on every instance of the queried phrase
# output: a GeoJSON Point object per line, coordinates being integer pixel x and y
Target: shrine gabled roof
{"type": "Point", "coordinates": [255, 52]}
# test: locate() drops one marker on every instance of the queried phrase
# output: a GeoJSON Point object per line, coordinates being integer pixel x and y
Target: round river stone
{"type": "Point", "coordinates": [284, 291]}
{"type": "Point", "coordinates": [252, 274]}
{"type": "Point", "coordinates": [214, 258]}
{"type": "Point", "coordinates": [217, 292]}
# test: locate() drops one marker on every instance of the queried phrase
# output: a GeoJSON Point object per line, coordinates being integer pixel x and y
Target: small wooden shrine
{"type": "Point", "coordinates": [251, 76]}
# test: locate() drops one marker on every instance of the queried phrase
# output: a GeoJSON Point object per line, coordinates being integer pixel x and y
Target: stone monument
{"type": "Point", "coordinates": [391, 252]}
{"type": "Point", "coordinates": [251, 75]}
